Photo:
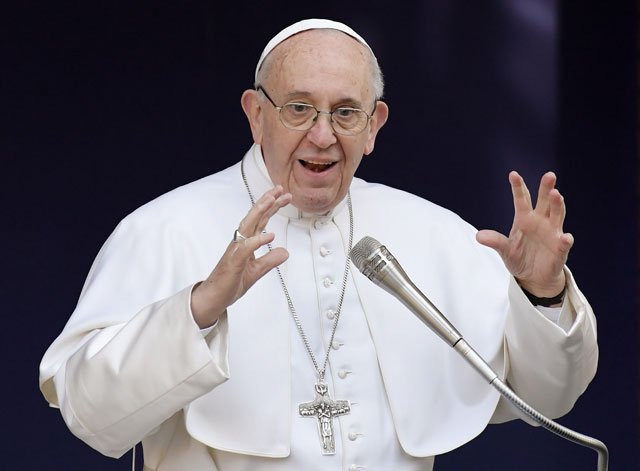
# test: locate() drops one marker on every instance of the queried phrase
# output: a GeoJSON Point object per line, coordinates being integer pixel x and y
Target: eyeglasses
{"type": "Point", "coordinates": [302, 116]}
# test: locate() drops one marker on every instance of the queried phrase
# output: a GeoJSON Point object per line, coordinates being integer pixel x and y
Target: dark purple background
{"type": "Point", "coordinates": [105, 107]}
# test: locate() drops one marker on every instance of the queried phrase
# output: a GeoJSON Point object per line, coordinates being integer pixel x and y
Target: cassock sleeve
{"type": "Point", "coordinates": [549, 365]}
{"type": "Point", "coordinates": [131, 355]}
{"type": "Point", "coordinates": [128, 379]}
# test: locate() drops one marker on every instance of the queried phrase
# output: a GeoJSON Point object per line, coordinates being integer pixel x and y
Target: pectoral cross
{"type": "Point", "coordinates": [324, 409]}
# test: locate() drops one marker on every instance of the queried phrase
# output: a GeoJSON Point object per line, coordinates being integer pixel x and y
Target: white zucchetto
{"type": "Point", "coordinates": [305, 25]}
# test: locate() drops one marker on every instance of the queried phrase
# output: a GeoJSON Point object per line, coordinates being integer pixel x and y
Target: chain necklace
{"type": "Point", "coordinates": [323, 408]}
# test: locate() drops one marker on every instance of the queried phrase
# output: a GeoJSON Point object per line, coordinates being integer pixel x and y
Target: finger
{"type": "Point", "coordinates": [251, 221]}
{"type": "Point", "coordinates": [245, 248]}
{"type": "Point", "coordinates": [494, 240]}
{"type": "Point", "coordinates": [280, 202]}
{"type": "Point", "coordinates": [521, 195]}
{"type": "Point", "coordinates": [249, 224]}
{"type": "Point", "coordinates": [557, 209]}
{"type": "Point", "coordinates": [239, 253]}
{"type": "Point", "coordinates": [566, 241]}
{"type": "Point", "coordinates": [263, 265]}
{"type": "Point", "coordinates": [547, 183]}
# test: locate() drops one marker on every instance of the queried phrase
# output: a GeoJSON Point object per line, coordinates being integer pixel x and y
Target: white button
{"type": "Point", "coordinates": [343, 374]}
{"type": "Point", "coordinates": [353, 467]}
{"type": "Point", "coordinates": [353, 436]}
{"type": "Point", "coordinates": [319, 223]}
{"type": "Point", "coordinates": [327, 282]}
{"type": "Point", "coordinates": [324, 251]}
{"type": "Point", "coordinates": [331, 313]}
{"type": "Point", "coordinates": [335, 345]}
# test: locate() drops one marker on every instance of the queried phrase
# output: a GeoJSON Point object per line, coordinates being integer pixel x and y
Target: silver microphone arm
{"type": "Point", "coordinates": [376, 263]}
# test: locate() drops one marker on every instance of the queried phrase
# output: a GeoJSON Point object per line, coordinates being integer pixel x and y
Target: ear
{"type": "Point", "coordinates": [378, 119]}
{"type": "Point", "coordinates": [253, 109]}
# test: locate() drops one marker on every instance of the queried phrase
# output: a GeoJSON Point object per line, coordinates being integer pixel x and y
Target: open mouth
{"type": "Point", "coordinates": [316, 167]}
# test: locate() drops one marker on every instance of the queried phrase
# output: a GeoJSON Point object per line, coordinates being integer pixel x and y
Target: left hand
{"type": "Point", "coordinates": [537, 249]}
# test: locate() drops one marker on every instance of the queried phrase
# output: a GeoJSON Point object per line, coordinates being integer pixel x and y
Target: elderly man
{"type": "Point", "coordinates": [284, 358]}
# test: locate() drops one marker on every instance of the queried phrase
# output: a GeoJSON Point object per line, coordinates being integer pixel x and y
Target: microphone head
{"type": "Point", "coordinates": [363, 250]}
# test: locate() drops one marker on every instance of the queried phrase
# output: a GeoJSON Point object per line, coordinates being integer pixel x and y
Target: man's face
{"type": "Point", "coordinates": [326, 69]}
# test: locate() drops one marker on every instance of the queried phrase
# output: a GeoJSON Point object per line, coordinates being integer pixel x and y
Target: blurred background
{"type": "Point", "coordinates": [106, 105]}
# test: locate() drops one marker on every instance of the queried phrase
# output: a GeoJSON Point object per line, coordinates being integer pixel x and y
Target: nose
{"type": "Point", "coordinates": [321, 133]}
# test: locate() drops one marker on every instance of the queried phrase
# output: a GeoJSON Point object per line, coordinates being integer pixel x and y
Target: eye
{"type": "Point", "coordinates": [345, 113]}
{"type": "Point", "coordinates": [295, 115]}
{"type": "Point", "coordinates": [298, 108]}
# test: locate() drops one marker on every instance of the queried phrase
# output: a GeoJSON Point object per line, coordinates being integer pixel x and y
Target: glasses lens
{"type": "Point", "coordinates": [302, 116]}
{"type": "Point", "coordinates": [349, 120]}
{"type": "Point", "coordinates": [298, 115]}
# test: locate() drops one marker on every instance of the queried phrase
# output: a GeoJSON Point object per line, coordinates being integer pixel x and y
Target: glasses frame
{"type": "Point", "coordinates": [279, 109]}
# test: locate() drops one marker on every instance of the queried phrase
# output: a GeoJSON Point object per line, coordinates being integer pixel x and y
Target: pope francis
{"type": "Point", "coordinates": [262, 349]}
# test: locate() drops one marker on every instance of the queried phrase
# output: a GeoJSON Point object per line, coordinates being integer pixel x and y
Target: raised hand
{"type": "Point", "coordinates": [239, 269]}
{"type": "Point", "coordinates": [537, 248]}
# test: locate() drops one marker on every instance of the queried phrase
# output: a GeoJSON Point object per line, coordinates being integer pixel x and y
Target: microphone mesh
{"type": "Point", "coordinates": [363, 250]}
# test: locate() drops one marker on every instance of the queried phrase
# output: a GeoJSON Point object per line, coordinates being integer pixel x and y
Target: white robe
{"type": "Point", "coordinates": [132, 365]}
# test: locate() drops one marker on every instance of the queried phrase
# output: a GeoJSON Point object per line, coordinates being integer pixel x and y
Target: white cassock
{"type": "Point", "coordinates": [131, 364]}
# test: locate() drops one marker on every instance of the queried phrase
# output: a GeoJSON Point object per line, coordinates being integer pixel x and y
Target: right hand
{"type": "Point", "coordinates": [238, 269]}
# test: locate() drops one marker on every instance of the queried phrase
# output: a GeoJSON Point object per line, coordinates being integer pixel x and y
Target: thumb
{"type": "Point", "coordinates": [493, 240]}
{"type": "Point", "coordinates": [267, 262]}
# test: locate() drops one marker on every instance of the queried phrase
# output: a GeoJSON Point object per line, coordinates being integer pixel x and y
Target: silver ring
{"type": "Point", "coordinates": [237, 237]}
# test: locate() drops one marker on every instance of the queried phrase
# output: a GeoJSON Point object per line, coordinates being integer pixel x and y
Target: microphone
{"type": "Point", "coordinates": [376, 263]}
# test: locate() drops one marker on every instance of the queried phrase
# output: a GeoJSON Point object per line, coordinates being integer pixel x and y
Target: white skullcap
{"type": "Point", "coordinates": [305, 25]}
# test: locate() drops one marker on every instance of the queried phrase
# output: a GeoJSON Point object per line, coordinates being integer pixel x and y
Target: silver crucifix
{"type": "Point", "coordinates": [324, 410]}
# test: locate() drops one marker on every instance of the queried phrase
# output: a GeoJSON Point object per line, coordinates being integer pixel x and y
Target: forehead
{"type": "Point", "coordinates": [321, 61]}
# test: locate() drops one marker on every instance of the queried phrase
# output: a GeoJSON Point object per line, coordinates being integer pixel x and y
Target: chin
{"type": "Point", "coordinates": [315, 205]}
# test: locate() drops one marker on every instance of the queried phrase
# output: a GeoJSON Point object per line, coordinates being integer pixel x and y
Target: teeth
{"type": "Point", "coordinates": [312, 162]}
{"type": "Point", "coordinates": [316, 166]}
